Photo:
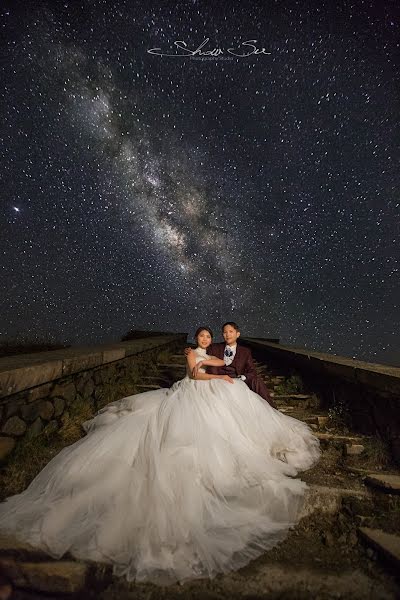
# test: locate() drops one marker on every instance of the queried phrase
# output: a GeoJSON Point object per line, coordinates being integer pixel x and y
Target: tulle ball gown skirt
{"type": "Point", "coordinates": [171, 485]}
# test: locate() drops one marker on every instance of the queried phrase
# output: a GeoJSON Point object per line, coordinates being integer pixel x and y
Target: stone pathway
{"type": "Point", "coordinates": [345, 545]}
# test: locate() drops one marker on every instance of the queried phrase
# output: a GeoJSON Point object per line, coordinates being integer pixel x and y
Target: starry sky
{"type": "Point", "coordinates": [167, 165]}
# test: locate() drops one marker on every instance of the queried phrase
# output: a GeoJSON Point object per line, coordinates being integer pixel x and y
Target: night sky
{"type": "Point", "coordinates": [169, 189]}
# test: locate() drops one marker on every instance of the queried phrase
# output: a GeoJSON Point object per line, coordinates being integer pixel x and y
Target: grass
{"type": "Point", "coordinates": [27, 460]}
{"type": "Point", "coordinates": [377, 452]}
{"type": "Point", "coordinates": [339, 414]}
{"type": "Point", "coordinates": [291, 385]}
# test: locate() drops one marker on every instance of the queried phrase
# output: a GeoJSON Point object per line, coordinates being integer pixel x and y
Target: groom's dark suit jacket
{"type": "Point", "coordinates": [242, 364]}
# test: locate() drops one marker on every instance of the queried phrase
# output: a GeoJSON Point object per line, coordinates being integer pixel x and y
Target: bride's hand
{"type": "Point", "coordinates": [196, 368]}
{"type": "Point", "coordinates": [227, 378]}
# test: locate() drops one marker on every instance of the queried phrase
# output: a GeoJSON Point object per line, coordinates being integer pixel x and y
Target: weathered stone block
{"type": "Point", "coordinates": [13, 407]}
{"type": "Point", "coordinates": [14, 426]}
{"type": "Point", "coordinates": [64, 390]}
{"type": "Point", "coordinates": [88, 388]}
{"type": "Point", "coordinates": [22, 373]}
{"type": "Point", "coordinates": [46, 410]}
{"type": "Point", "coordinates": [52, 577]}
{"type": "Point", "coordinates": [39, 392]}
{"type": "Point", "coordinates": [354, 449]}
{"type": "Point", "coordinates": [30, 412]}
{"type": "Point", "coordinates": [59, 405]}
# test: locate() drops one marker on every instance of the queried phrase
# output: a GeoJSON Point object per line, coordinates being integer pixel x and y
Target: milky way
{"type": "Point", "coordinates": [143, 190]}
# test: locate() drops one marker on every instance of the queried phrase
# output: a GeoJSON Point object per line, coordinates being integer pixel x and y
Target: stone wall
{"type": "Point", "coordinates": [368, 392]}
{"type": "Point", "coordinates": [37, 389]}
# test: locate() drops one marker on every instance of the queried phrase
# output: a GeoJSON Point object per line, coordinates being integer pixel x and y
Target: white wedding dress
{"type": "Point", "coordinates": [172, 484]}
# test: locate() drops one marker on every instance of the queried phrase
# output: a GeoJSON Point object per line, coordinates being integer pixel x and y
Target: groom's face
{"type": "Point", "coordinates": [230, 334]}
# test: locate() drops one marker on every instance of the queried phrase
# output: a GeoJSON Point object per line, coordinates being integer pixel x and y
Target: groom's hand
{"type": "Point", "coordinates": [188, 350]}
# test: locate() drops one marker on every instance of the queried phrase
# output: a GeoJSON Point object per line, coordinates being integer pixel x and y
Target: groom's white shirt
{"type": "Point", "coordinates": [229, 359]}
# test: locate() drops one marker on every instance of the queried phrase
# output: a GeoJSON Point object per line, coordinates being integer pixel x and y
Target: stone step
{"type": "Point", "coordinates": [266, 579]}
{"type": "Point", "coordinates": [13, 548]}
{"type": "Point", "coordinates": [147, 388]}
{"type": "Point", "coordinates": [154, 380]}
{"type": "Point", "coordinates": [178, 358]}
{"type": "Point", "coordinates": [171, 366]}
{"type": "Point", "coordinates": [56, 577]}
{"type": "Point", "coordinates": [364, 472]}
{"type": "Point", "coordinates": [328, 500]}
{"type": "Point", "coordinates": [386, 544]}
{"type": "Point", "coordinates": [334, 437]}
{"type": "Point", "coordinates": [294, 396]}
{"type": "Point", "coordinates": [294, 581]}
{"type": "Point", "coordinates": [385, 482]}
{"type": "Point", "coordinates": [307, 417]}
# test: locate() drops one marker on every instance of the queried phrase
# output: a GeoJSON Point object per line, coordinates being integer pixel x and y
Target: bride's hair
{"type": "Point", "coordinates": [200, 329]}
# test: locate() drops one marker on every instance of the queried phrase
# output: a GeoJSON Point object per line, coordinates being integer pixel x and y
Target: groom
{"type": "Point", "coordinates": [238, 361]}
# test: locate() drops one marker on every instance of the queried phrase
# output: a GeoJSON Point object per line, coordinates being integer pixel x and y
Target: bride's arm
{"type": "Point", "coordinates": [213, 361]}
{"type": "Point", "coordinates": [191, 360]}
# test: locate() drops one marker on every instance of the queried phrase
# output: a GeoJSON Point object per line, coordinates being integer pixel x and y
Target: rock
{"type": "Point", "coordinates": [46, 410]}
{"type": "Point", "coordinates": [30, 412]}
{"type": "Point", "coordinates": [66, 391]}
{"type": "Point", "coordinates": [352, 539]}
{"type": "Point", "coordinates": [14, 426]}
{"type": "Point", "coordinates": [42, 391]}
{"type": "Point", "coordinates": [88, 388]}
{"type": "Point", "coordinates": [59, 405]}
{"type": "Point", "coordinates": [327, 538]}
{"type": "Point", "coordinates": [6, 446]}
{"type": "Point", "coordinates": [35, 428]}
{"type": "Point", "coordinates": [322, 421]}
{"type": "Point", "coordinates": [13, 407]}
{"type": "Point", "coordinates": [354, 449]}
{"type": "Point", "coordinates": [53, 577]}
{"type": "Point", "coordinates": [328, 500]}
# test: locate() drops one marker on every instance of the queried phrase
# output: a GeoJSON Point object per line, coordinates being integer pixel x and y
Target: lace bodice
{"type": "Point", "coordinates": [201, 354]}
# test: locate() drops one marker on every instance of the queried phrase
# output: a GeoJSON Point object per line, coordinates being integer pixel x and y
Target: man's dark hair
{"type": "Point", "coordinates": [232, 324]}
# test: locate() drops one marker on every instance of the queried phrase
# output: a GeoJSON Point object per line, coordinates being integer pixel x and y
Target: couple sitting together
{"type": "Point", "coordinates": [176, 483]}
{"type": "Point", "coordinates": [226, 360]}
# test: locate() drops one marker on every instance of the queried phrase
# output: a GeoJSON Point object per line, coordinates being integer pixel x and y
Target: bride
{"type": "Point", "coordinates": [172, 484]}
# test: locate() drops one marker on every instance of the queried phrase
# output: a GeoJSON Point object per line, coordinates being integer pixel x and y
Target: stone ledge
{"type": "Point", "coordinates": [375, 375]}
{"type": "Point", "coordinates": [21, 372]}
{"type": "Point", "coordinates": [66, 577]}
{"type": "Point", "coordinates": [387, 544]}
